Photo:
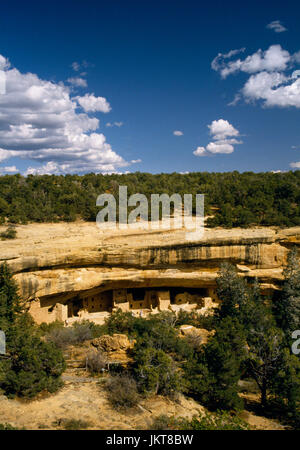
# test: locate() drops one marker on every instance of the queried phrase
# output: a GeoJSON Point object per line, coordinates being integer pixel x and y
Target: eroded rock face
{"type": "Point", "coordinates": [59, 260]}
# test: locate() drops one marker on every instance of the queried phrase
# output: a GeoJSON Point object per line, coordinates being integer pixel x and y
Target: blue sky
{"type": "Point", "coordinates": [145, 67]}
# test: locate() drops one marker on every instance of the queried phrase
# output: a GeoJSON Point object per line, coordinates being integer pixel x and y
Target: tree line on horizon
{"type": "Point", "coordinates": [232, 199]}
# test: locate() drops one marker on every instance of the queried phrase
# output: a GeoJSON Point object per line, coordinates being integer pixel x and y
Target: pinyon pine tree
{"type": "Point", "coordinates": [32, 365]}
{"type": "Point", "coordinates": [289, 302]}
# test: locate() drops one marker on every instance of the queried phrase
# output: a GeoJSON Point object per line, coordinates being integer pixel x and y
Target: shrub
{"type": "Point", "coordinates": [82, 331]}
{"type": "Point", "coordinates": [221, 420]}
{"type": "Point", "coordinates": [77, 334]}
{"type": "Point", "coordinates": [156, 372]}
{"type": "Point", "coordinates": [167, 318]}
{"type": "Point", "coordinates": [164, 422]}
{"type": "Point", "coordinates": [9, 233]}
{"type": "Point", "coordinates": [122, 391]}
{"type": "Point", "coordinates": [185, 318]}
{"type": "Point", "coordinates": [61, 337]}
{"type": "Point", "coordinates": [45, 328]}
{"type": "Point", "coordinates": [72, 424]}
{"type": "Point", "coordinates": [97, 330]}
{"type": "Point", "coordinates": [6, 426]}
{"type": "Point", "coordinates": [206, 321]}
{"type": "Point", "coordinates": [95, 361]}
{"type": "Point", "coordinates": [120, 322]}
{"type": "Point", "coordinates": [194, 340]}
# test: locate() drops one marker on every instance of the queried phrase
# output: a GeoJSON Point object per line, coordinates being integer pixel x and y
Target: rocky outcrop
{"type": "Point", "coordinates": [62, 259]}
{"type": "Point", "coordinates": [114, 343]}
{"type": "Point", "coordinates": [197, 336]}
{"type": "Point", "coordinates": [115, 348]}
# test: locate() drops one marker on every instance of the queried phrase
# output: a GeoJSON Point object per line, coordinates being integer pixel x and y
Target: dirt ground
{"type": "Point", "coordinates": [83, 398]}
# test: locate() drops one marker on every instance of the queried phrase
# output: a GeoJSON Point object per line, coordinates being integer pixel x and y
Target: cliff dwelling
{"type": "Point", "coordinates": [97, 305]}
{"type": "Point", "coordinates": [71, 272]}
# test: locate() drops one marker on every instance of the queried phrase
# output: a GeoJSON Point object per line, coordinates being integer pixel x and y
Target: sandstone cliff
{"type": "Point", "coordinates": [62, 259]}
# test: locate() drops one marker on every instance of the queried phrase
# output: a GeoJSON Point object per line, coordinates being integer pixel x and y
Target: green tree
{"type": "Point", "coordinates": [120, 322]}
{"type": "Point", "coordinates": [232, 291]}
{"type": "Point", "coordinates": [32, 364]}
{"type": "Point", "coordinates": [10, 303]}
{"type": "Point", "coordinates": [285, 385]}
{"type": "Point", "coordinates": [287, 302]}
{"type": "Point", "coordinates": [214, 373]}
{"type": "Point", "coordinates": [156, 372]}
{"type": "Point", "coordinates": [265, 355]}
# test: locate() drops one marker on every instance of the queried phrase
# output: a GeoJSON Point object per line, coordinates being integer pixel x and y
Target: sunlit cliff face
{"type": "Point", "coordinates": [56, 265]}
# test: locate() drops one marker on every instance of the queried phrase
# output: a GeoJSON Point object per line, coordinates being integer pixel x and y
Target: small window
{"type": "Point", "coordinates": [141, 304]}
{"type": "Point", "coordinates": [130, 305]}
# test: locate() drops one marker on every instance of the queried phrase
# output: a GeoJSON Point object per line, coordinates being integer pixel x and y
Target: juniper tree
{"type": "Point", "coordinates": [287, 302]}
{"type": "Point", "coordinates": [265, 354]}
{"type": "Point", "coordinates": [269, 361]}
{"type": "Point", "coordinates": [214, 373]}
{"type": "Point", "coordinates": [285, 385]}
{"type": "Point", "coordinates": [156, 371]}
{"type": "Point", "coordinates": [10, 303]}
{"type": "Point", "coordinates": [232, 291]}
{"type": "Point", "coordinates": [32, 364]}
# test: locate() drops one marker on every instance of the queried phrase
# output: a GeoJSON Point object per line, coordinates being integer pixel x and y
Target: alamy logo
{"type": "Point", "coordinates": [141, 217]}
{"type": "Point", "coordinates": [296, 344]}
{"type": "Point", "coordinates": [2, 343]}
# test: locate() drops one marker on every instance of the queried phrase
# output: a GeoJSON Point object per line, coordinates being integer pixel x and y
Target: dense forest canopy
{"type": "Point", "coordinates": [232, 198]}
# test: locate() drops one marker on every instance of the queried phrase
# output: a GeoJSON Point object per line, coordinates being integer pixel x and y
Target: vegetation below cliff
{"type": "Point", "coordinates": [249, 340]}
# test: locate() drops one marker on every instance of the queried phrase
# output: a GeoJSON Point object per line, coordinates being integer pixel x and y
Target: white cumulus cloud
{"type": "Point", "coordinates": [274, 58]}
{"type": "Point", "coordinates": [41, 121]}
{"type": "Point", "coordinates": [200, 151]}
{"type": "Point", "coordinates": [178, 133]}
{"type": "Point", "coordinates": [223, 139]}
{"type": "Point", "coordinates": [295, 165]}
{"type": "Point", "coordinates": [220, 129]}
{"type": "Point", "coordinates": [275, 89]}
{"type": "Point", "coordinates": [89, 102]}
{"type": "Point", "coordinates": [219, 61]}
{"type": "Point", "coordinates": [8, 170]}
{"type": "Point", "coordinates": [4, 63]}
{"type": "Point", "coordinates": [272, 78]}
